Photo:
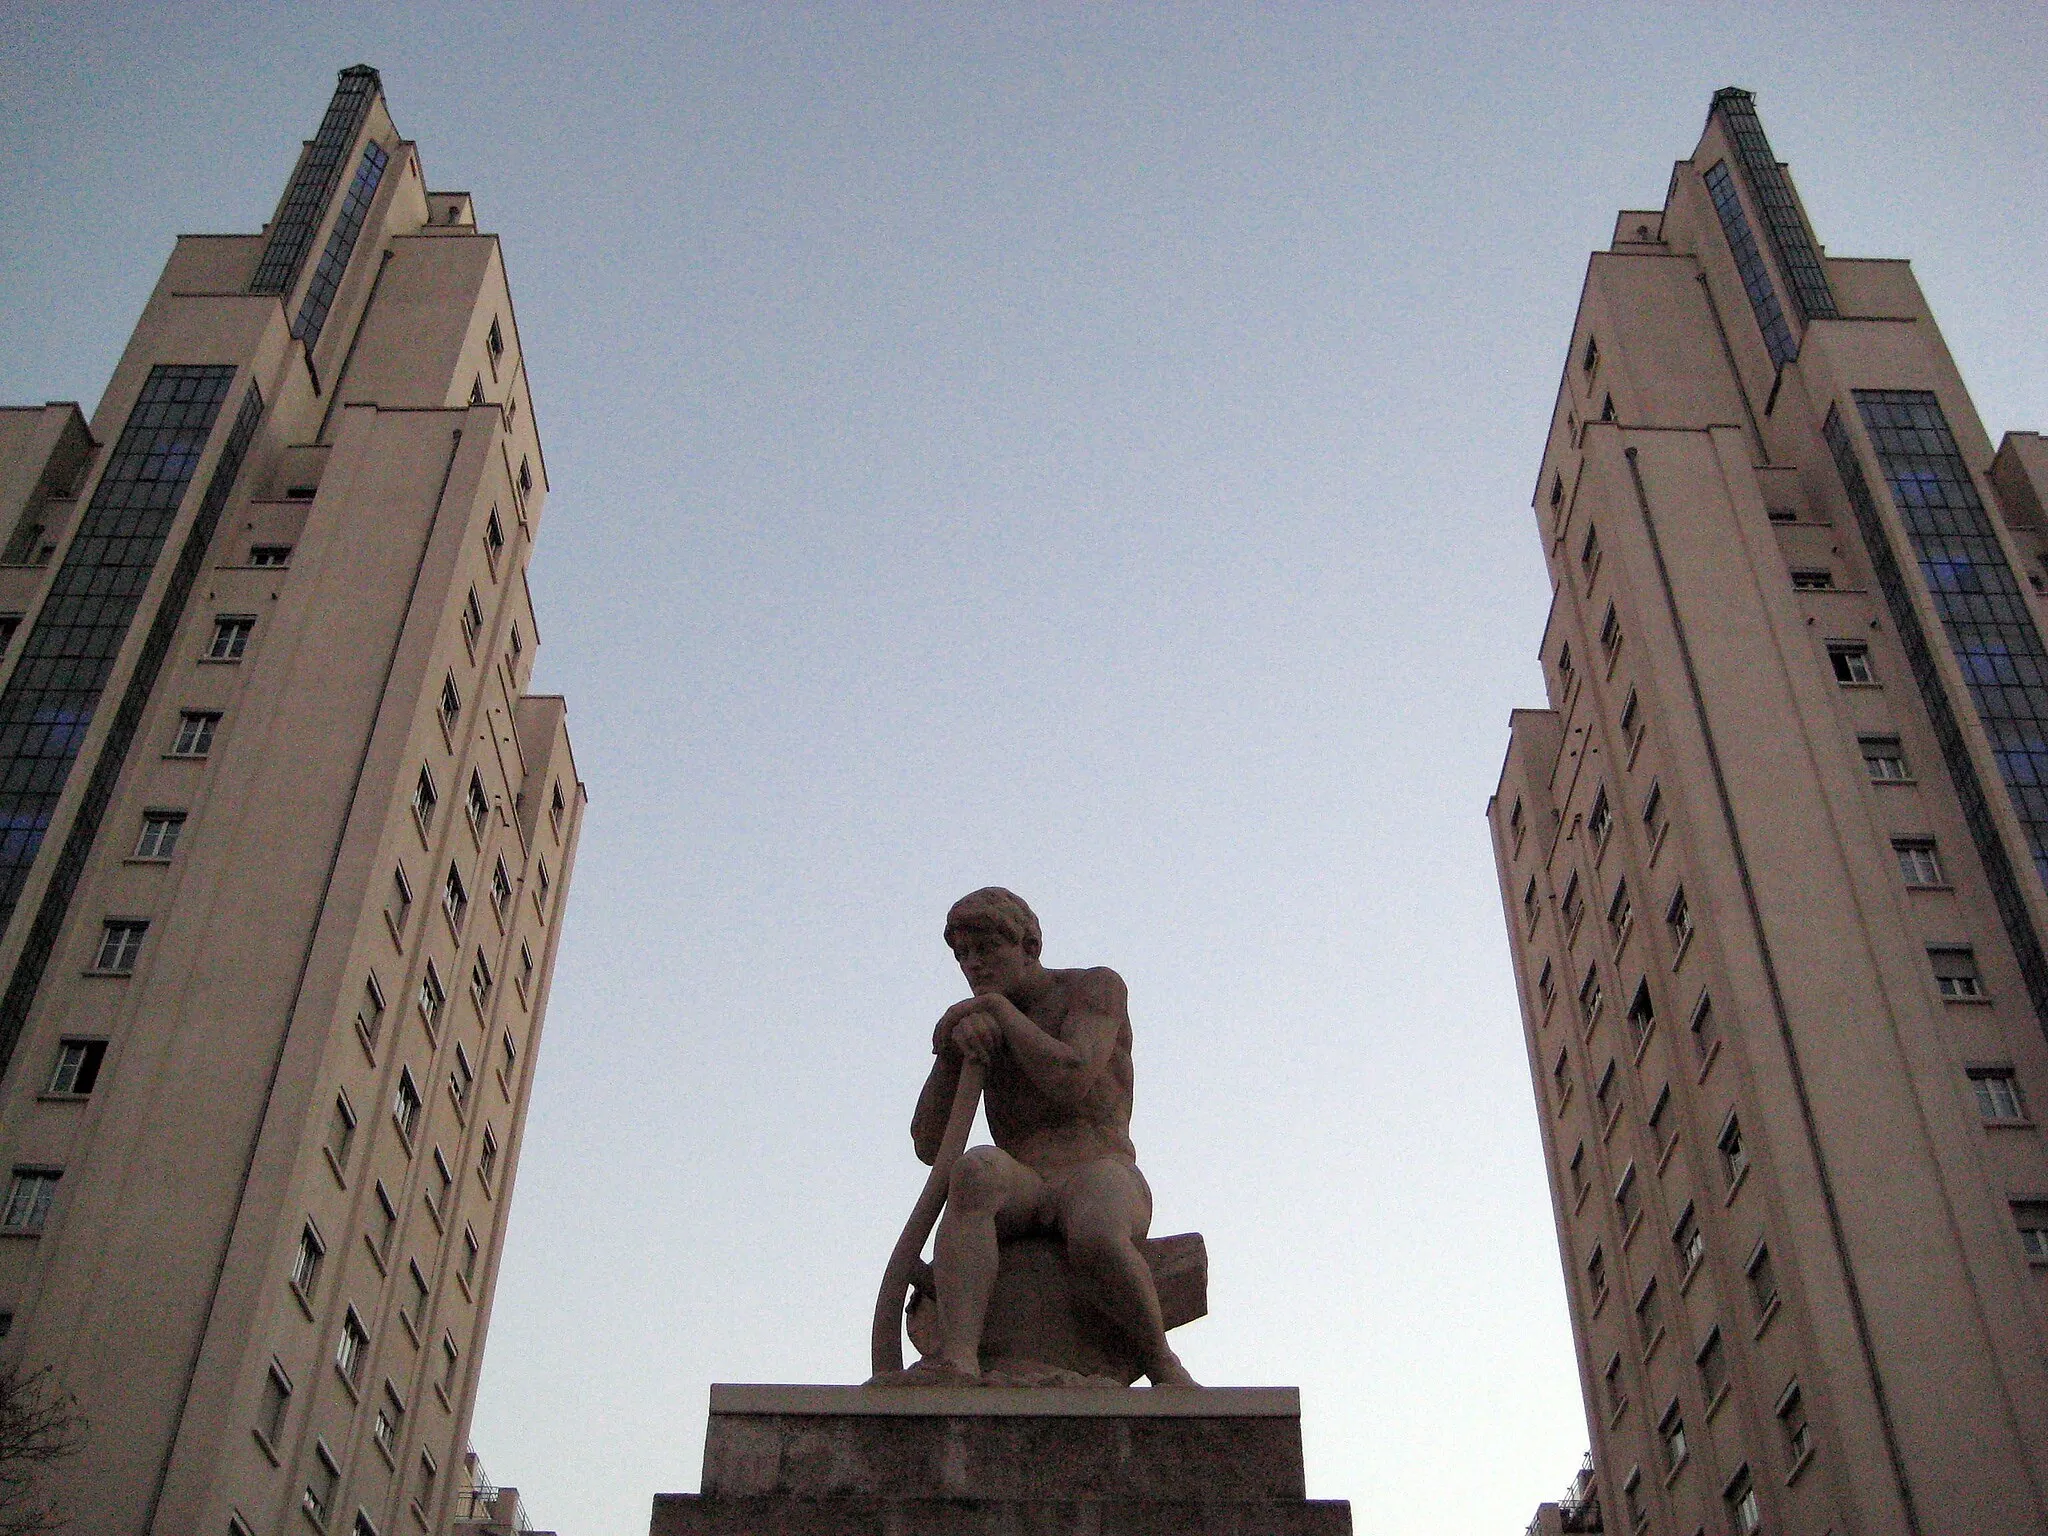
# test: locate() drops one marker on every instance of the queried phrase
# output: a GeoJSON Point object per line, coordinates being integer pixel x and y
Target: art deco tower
{"type": "Point", "coordinates": [1773, 867]}
{"type": "Point", "coordinates": [283, 851]}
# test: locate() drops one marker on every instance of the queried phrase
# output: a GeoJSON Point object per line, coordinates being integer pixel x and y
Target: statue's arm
{"type": "Point", "coordinates": [1066, 1070]}
{"type": "Point", "coordinates": [934, 1104]}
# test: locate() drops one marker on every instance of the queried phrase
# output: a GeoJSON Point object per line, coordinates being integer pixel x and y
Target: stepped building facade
{"type": "Point", "coordinates": [284, 847]}
{"type": "Point", "coordinates": [1773, 868]}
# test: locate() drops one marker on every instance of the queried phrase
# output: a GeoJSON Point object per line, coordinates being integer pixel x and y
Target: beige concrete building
{"type": "Point", "coordinates": [285, 850]}
{"type": "Point", "coordinates": [1773, 863]}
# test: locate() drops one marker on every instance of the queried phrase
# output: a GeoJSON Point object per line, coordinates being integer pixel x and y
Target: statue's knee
{"type": "Point", "coordinates": [977, 1182]}
{"type": "Point", "coordinates": [1095, 1247]}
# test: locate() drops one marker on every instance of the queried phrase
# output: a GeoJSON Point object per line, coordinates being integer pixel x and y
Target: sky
{"type": "Point", "coordinates": [1081, 448]}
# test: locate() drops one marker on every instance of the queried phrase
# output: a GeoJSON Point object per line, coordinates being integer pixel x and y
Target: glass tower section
{"type": "Point", "coordinates": [305, 201]}
{"type": "Point", "coordinates": [341, 245]}
{"type": "Point", "coordinates": [1749, 265]}
{"type": "Point", "coordinates": [1772, 188]}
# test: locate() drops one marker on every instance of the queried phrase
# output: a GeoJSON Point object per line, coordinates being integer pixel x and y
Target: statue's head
{"type": "Point", "coordinates": [995, 911]}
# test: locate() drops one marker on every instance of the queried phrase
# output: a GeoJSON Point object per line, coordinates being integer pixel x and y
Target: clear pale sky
{"type": "Point", "coordinates": [1080, 448]}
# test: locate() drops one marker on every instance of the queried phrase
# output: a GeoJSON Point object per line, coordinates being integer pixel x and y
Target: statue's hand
{"type": "Point", "coordinates": [946, 1040]}
{"type": "Point", "coordinates": [977, 1036]}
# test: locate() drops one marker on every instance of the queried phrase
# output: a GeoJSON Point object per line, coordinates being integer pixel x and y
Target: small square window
{"type": "Point", "coordinates": [1678, 918]}
{"type": "Point", "coordinates": [451, 704]}
{"type": "Point", "coordinates": [501, 887]}
{"type": "Point", "coordinates": [405, 1104]}
{"type": "Point", "coordinates": [487, 1158]}
{"type": "Point", "coordinates": [306, 1260]}
{"type": "Point", "coordinates": [495, 341]}
{"type": "Point", "coordinates": [525, 476]}
{"type": "Point", "coordinates": [511, 1053]}
{"type": "Point", "coordinates": [370, 1016]}
{"type": "Point", "coordinates": [444, 1180]}
{"type": "Point", "coordinates": [1706, 1032]}
{"type": "Point", "coordinates": [1591, 361]}
{"type": "Point", "coordinates": [1653, 809]}
{"type": "Point", "coordinates": [1650, 1314]}
{"type": "Point", "coordinates": [455, 898]}
{"type": "Point", "coordinates": [1712, 1361]}
{"type": "Point", "coordinates": [29, 1198]}
{"type": "Point", "coordinates": [1604, 1094]}
{"type": "Point", "coordinates": [1671, 1438]}
{"type": "Point", "coordinates": [1620, 913]}
{"type": "Point", "coordinates": [77, 1068]}
{"type": "Point", "coordinates": [1628, 1194]}
{"type": "Point", "coordinates": [1998, 1093]}
{"type": "Point", "coordinates": [494, 537]}
{"type": "Point", "coordinates": [195, 732]}
{"type": "Point", "coordinates": [541, 882]}
{"type": "Point", "coordinates": [1577, 1170]}
{"type": "Point", "coordinates": [1763, 1281]}
{"type": "Point", "coordinates": [1663, 1122]}
{"type": "Point", "coordinates": [1600, 820]}
{"type": "Point", "coordinates": [2031, 1217]}
{"type": "Point", "coordinates": [1642, 1016]}
{"type": "Point", "coordinates": [429, 1474]}
{"type": "Point", "coordinates": [1596, 1274]}
{"type": "Point", "coordinates": [1955, 974]}
{"type": "Point", "coordinates": [1688, 1241]}
{"type": "Point", "coordinates": [470, 1250]}
{"type": "Point", "coordinates": [1744, 1513]}
{"type": "Point", "coordinates": [230, 638]}
{"type": "Point", "coordinates": [1610, 632]}
{"type": "Point", "coordinates": [1546, 986]}
{"type": "Point", "coordinates": [9, 623]}
{"type": "Point", "coordinates": [1574, 903]}
{"type": "Point", "coordinates": [277, 1402]}
{"type": "Point", "coordinates": [480, 981]}
{"type": "Point", "coordinates": [1590, 999]}
{"type": "Point", "coordinates": [1884, 760]}
{"type": "Point", "coordinates": [1813, 580]}
{"type": "Point", "coordinates": [1734, 1154]}
{"type": "Point", "coordinates": [341, 1131]}
{"type": "Point", "coordinates": [472, 619]}
{"type": "Point", "coordinates": [451, 1361]}
{"type": "Point", "coordinates": [1607, 409]}
{"type": "Point", "coordinates": [1917, 862]}
{"type": "Point", "coordinates": [351, 1348]}
{"type": "Point", "coordinates": [518, 644]}
{"type": "Point", "coordinates": [461, 1077]}
{"type": "Point", "coordinates": [525, 965]}
{"type": "Point", "coordinates": [1851, 663]}
{"type": "Point", "coordinates": [1589, 552]}
{"type": "Point", "coordinates": [323, 1485]}
{"type": "Point", "coordinates": [556, 805]}
{"type": "Point", "coordinates": [1792, 1423]}
{"type": "Point", "coordinates": [424, 798]}
{"type": "Point", "coordinates": [160, 833]}
{"type": "Point", "coordinates": [120, 946]}
{"type": "Point", "coordinates": [416, 1303]}
{"type": "Point", "coordinates": [479, 804]}
{"type": "Point", "coordinates": [270, 554]}
{"type": "Point", "coordinates": [386, 1222]}
{"type": "Point", "coordinates": [476, 390]}
{"type": "Point", "coordinates": [1631, 719]}
{"type": "Point", "coordinates": [1617, 1389]}
{"type": "Point", "coordinates": [401, 898]}
{"type": "Point", "coordinates": [432, 996]}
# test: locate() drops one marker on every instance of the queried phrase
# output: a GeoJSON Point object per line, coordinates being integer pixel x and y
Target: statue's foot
{"type": "Point", "coordinates": [931, 1371]}
{"type": "Point", "coordinates": [1171, 1373]}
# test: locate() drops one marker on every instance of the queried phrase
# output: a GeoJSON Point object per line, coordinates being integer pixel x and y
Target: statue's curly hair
{"type": "Point", "coordinates": [996, 910]}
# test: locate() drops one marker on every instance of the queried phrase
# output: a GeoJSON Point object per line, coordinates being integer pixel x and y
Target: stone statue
{"type": "Point", "coordinates": [1041, 1267]}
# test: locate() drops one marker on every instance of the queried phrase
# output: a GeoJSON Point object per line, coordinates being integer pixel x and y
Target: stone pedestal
{"type": "Point", "coordinates": [862, 1461]}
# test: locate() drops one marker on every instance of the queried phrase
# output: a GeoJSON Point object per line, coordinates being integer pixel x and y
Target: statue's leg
{"type": "Point", "coordinates": [1105, 1210]}
{"type": "Point", "coordinates": [989, 1190]}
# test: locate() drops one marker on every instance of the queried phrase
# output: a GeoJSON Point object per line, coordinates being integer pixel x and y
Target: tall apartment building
{"type": "Point", "coordinates": [284, 847]}
{"type": "Point", "coordinates": [1772, 864]}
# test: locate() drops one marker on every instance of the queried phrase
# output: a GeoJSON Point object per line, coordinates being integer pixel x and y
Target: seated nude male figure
{"type": "Point", "coordinates": [1058, 1094]}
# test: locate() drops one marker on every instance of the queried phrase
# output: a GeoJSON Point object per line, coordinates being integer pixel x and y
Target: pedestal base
{"type": "Point", "coordinates": [859, 1461]}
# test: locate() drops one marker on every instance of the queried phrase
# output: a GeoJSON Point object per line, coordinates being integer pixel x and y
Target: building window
{"type": "Point", "coordinates": [461, 1077]}
{"type": "Point", "coordinates": [384, 1428]}
{"type": "Point", "coordinates": [1650, 1315]}
{"type": "Point", "coordinates": [495, 341]}
{"type": "Point", "coordinates": [487, 1159]}
{"type": "Point", "coordinates": [1591, 361]}
{"type": "Point", "coordinates": [1564, 668]}
{"type": "Point", "coordinates": [1632, 1499]}
{"type": "Point", "coordinates": [1712, 1361]}
{"type": "Point", "coordinates": [1596, 1275]}
{"type": "Point", "coordinates": [511, 1053]}
{"type": "Point", "coordinates": [401, 898]}
{"type": "Point", "coordinates": [556, 805]}
{"type": "Point", "coordinates": [195, 732]}
{"type": "Point", "coordinates": [423, 1501]}
{"type": "Point", "coordinates": [1653, 811]}
{"type": "Point", "coordinates": [1620, 914]}
{"type": "Point", "coordinates": [494, 538]}
{"type": "Point", "coordinates": [1763, 1281]}
{"type": "Point", "coordinates": [513, 636]}
{"type": "Point", "coordinates": [405, 1104]}
{"type": "Point", "coordinates": [1628, 1197]}
{"type": "Point", "coordinates": [1607, 409]}
{"type": "Point", "coordinates": [476, 390]}
{"type": "Point", "coordinates": [277, 1402]}
{"type": "Point", "coordinates": [540, 892]}
{"type": "Point", "coordinates": [1603, 1093]}
{"type": "Point", "coordinates": [1515, 825]}
{"type": "Point", "coordinates": [455, 898]}
{"type": "Point", "coordinates": [501, 888]}
{"type": "Point", "coordinates": [1610, 633]}
{"type": "Point", "coordinates": [387, 1222]}
{"type": "Point", "coordinates": [444, 1180]}
{"type": "Point", "coordinates": [1600, 820]}
{"type": "Point", "coordinates": [1813, 580]}
{"type": "Point", "coordinates": [1793, 1425]}
{"type": "Point", "coordinates": [306, 1261]}
{"type": "Point", "coordinates": [1883, 759]}
{"type": "Point", "coordinates": [451, 1363]}
{"type": "Point", "coordinates": [1529, 906]}
{"type": "Point", "coordinates": [451, 703]}
{"type": "Point", "coordinates": [416, 1307]}
{"type": "Point", "coordinates": [270, 554]}
{"type": "Point", "coordinates": [1546, 986]}
{"type": "Point", "coordinates": [1642, 1015]}
{"type": "Point", "coordinates": [1559, 1082]}
{"type": "Point", "coordinates": [1671, 1438]}
{"type": "Point", "coordinates": [479, 804]}
{"type": "Point", "coordinates": [1917, 862]}
{"type": "Point", "coordinates": [1743, 1511]}
{"type": "Point", "coordinates": [160, 832]}
{"type": "Point", "coordinates": [9, 623]}
{"type": "Point", "coordinates": [470, 1249]}
{"type": "Point", "coordinates": [1706, 1032]}
{"type": "Point", "coordinates": [120, 944]}
{"type": "Point", "coordinates": [1631, 720]}
{"type": "Point", "coordinates": [1556, 490]}
{"type": "Point", "coordinates": [525, 966]}
{"type": "Point", "coordinates": [323, 1483]}
{"type": "Point", "coordinates": [2031, 1217]}
{"type": "Point", "coordinates": [341, 1131]}
{"type": "Point", "coordinates": [1851, 662]}
{"type": "Point", "coordinates": [424, 798]}
{"type": "Point", "coordinates": [1734, 1155]}
{"type": "Point", "coordinates": [1590, 998]}
{"type": "Point", "coordinates": [1577, 1170]}
{"type": "Point", "coordinates": [480, 982]}
{"type": "Point", "coordinates": [1589, 553]}
{"type": "Point", "coordinates": [1955, 974]}
{"type": "Point", "coordinates": [1574, 904]}
{"type": "Point", "coordinates": [472, 620]}
{"type": "Point", "coordinates": [28, 1199]}
{"type": "Point", "coordinates": [1688, 1241]}
{"type": "Point", "coordinates": [1617, 1390]}
{"type": "Point", "coordinates": [1662, 1122]}
{"type": "Point", "coordinates": [78, 1067]}
{"type": "Point", "coordinates": [432, 996]}
{"type": "Point", "coordinates": [370, 1017]}
{"type": "Point", "coordinates": [230, 638]}
{"type": "Point", "coordinates": [1678, 918]}
{"type": "Point", "coordinates": [525, 475]}
{"type": "Point", "coordinates": [364, 1526]}
{"type": "Point", "coordinates": [351, 1349]}
{"type": "Point", "coordinates": [1998, 1093]}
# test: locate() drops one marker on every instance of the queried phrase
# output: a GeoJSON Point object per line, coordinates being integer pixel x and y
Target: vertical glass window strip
{"type": "Point", "coordinates": [50, 700]}
{"type": "Point", "coordinates": [1749, 265]}
{"type": "Point", "coordinates": [341, 245]}
{"type": "Point", "coordinates": [1772, 188]}
{"type": "Point", "coordinates": [1985, 621]}
{"type": "Point", "coordinates": [305, 201]}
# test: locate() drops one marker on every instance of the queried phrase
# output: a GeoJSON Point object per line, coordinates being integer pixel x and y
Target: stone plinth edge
{"type": "Point", "coordinates": [1008, 1402]}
